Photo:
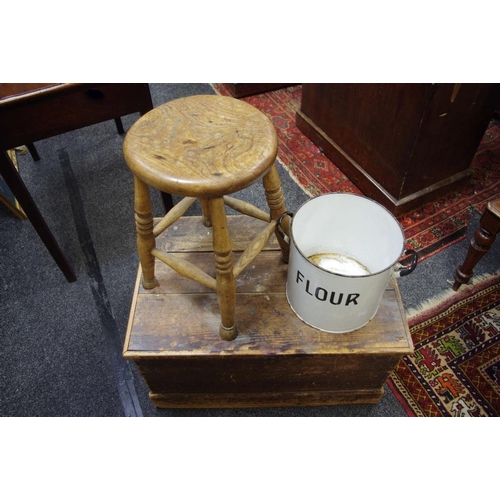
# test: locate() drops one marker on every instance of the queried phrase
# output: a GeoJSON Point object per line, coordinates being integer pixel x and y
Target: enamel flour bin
{"type": "Point", "coordinates": [344, 249]}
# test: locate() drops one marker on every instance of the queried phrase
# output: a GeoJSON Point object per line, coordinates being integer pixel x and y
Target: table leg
{"type": "Point", "coordinates": [20, 191]}
{"type": "Point", "coordinates": [119, 126]}
{"type": "Point", "coordinates": [33, 152]}
{"type": "Point", "coordinates": [168, 201]}
{"type": "Point", "coordinates": [484, 237]}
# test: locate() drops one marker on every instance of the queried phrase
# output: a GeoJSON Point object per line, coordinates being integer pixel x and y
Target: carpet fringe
{"type": "Point", "coordinates": [430, 306]}
{"type": "Point", "coordinates": [294, 178]}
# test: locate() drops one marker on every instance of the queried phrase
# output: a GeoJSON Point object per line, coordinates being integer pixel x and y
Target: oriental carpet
{"type": "Point", "coordinates": [455, 369]}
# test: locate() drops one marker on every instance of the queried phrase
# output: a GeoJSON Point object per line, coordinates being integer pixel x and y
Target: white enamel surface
{"type": "Point", "coordinates": [355, 228]}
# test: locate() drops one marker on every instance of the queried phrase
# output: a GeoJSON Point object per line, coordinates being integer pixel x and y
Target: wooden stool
{"type": "Point", "coordinates": [484, 237]}
{"type": "Point", "coordinates": [205, 147]}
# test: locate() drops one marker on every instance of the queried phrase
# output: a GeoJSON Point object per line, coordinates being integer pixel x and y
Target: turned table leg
{"type": "Point", "coordinates": [145, 236]}
{"type": "Point", "coordinates": [276, 203]}
{"type": "Point", "coordinates": [226, 282]}
{"type": "Point", "coordinates": [20, 191]}
{"type": "Point", "coordinates": [483, 238]}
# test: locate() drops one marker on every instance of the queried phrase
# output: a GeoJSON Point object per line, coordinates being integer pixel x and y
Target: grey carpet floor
{"type": "Point", "coordinates": [60, 342]}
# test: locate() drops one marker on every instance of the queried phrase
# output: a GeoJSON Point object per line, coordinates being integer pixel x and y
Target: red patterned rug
{"type": "Point", "coordinates": [455, 369]}
{"type": "Point", "coordinates": [429, 229]}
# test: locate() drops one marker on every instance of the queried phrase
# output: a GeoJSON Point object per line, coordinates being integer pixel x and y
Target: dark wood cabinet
{"type": "Point", "coordinates": [403, 145]}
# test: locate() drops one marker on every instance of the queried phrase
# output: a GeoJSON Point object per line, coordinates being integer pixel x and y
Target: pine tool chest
{"type": "Point", "coordinates": [276, 359]}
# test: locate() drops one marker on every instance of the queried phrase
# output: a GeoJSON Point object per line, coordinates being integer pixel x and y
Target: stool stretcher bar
{"type": "Point", "coordinates": [185, 268]}
{"type": "Point", "coordinates": [246, 208]}
{"type": "Point", "coordinates": [254, 248]}
{"type": "Point", "coordinates": [173, 215]}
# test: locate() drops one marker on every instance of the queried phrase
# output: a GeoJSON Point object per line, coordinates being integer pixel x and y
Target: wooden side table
{"type": "Point", "coordinates": [277, 360]}
{"type": "Point", "coordinates": [30, 112]}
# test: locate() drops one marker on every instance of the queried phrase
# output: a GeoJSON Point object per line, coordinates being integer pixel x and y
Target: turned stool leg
{"type": "Point", "coordinates": [226, 282]}
{"type": "Point", "coordinates": [276, 203]}
{"type": "Point", "coordinates": [145, 236]}
{"type": "Point", "coordinates": [483, 238]}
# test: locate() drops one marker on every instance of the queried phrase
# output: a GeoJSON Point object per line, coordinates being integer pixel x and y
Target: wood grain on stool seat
{"type": "Point", "coordinates": [205, 145]}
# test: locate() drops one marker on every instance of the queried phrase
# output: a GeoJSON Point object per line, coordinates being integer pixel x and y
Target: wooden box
{"type": "Point", "coordinates": [276, 360]}
{"type": "Point", "coordinates": [403, 145]}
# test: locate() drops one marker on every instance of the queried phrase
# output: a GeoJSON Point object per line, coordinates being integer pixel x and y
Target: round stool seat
{"type": "Point", "coordinates": [201, 146]}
